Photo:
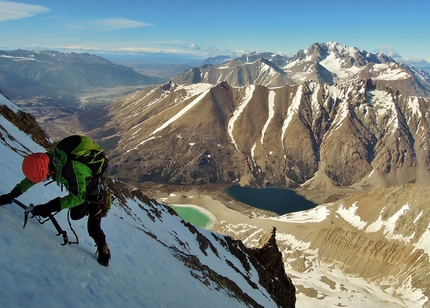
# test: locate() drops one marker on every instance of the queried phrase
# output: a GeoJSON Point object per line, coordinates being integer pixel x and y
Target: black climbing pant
{"type": "Point", "coordinates": [94, 220]}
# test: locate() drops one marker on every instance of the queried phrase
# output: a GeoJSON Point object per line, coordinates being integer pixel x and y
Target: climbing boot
{"type": "Point", "coordinates": [103, 254]}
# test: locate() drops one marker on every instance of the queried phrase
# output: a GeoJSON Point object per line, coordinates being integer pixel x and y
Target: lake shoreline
{"type": "Point", "coordinates": [214, 199]}
{"type": "Point", "coordinates": [274, 199]}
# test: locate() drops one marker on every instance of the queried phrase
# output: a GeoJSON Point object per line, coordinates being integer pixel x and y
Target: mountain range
{"type": "Point", "coordinates": [28, 73]}
{"type": "Point", "coordinates": [330, 116]}
{"type": "Point", "coordinates": [52, 85]}
{"type": "Point", "coordinates": [330, 63]}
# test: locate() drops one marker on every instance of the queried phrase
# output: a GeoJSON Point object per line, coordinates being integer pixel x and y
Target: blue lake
{"type": "Point", "coordinates": [278, 200]}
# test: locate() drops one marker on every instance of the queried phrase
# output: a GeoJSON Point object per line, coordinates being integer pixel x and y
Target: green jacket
{"type": "Point", "coordinates": [73, 175]}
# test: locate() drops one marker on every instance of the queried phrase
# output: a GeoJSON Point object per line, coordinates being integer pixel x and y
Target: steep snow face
{"type": "Point", "coordinates": [8, 103]}
{"type": "Point", "coordinates": [151, 250]}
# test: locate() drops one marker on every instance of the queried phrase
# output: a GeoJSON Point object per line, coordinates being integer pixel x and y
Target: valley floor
{"type": "Point", "coordinates": [323, 284]}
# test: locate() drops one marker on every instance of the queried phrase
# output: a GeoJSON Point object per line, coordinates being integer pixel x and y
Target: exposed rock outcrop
{"type": "Point", "coordinates": [28, 124]}
{"type": "Point", "coordinates": [272, 274]}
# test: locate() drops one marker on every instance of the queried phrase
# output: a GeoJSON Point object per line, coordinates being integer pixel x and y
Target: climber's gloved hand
{"type": "Point", "coordinates": [8, 198]}
{"type": "Point", "coordinates": [44, 210]}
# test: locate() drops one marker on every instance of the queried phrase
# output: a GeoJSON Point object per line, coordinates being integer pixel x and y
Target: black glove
{"type": "Point", "coordinates": [45, 209]}
{"type": "Point", "coordinates": [8, 198]}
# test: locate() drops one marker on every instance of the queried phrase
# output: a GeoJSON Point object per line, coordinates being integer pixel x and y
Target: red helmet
{"type": "Point", "coordinates": [36, 166]}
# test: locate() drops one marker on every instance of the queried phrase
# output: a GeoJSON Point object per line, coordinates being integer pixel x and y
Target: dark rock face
{"type": "Point", "coordinates": [266, 258]}
{"type": "Point", "coordinates": [272, 274]}
{"type": "Point", "coordinates": [27, 123]}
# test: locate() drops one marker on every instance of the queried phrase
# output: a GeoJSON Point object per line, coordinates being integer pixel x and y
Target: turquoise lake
{"type": "Point", "coordinates": [194, 215]}
{"type": "Point", "coordinates": [278, 200]}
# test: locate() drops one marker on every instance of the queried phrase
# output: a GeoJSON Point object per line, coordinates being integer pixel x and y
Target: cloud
{"type": "Point", "coordinates": [123, 50]}
{"type": "Point", "coordinates": [76, 48]}
{"type": "Point", "coordinates": [148, 50]}
{"type": "Point", "coordinates": [193, 46]}
{"type": "Point", "coordinates": [111, 24]}
{"type": "Point", "coordinates": [389, 51]}
{"type": "Point", "coordinates": [161, 47]}
{"type": "Point", "coordinates": [177, 47]}
{"type": "Point", "coordinates": [414, 61]}
{"type": "Point", "coordinates": [15, 10]}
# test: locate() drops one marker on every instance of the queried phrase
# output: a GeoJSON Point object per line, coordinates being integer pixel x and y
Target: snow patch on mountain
{"type": "Point", "coordinates": [335, 65]}
{"type": "Point", "coordinates": [236, 114]}
{"type": "Point", "coordinates": [271, 114]}
{"type": "Point", "coordinates": [385, 108]}
{"type": "Point", "coordinates": [414, 105]}
{"type": "Point", "coordinates": [350, 216]}
{"type": "Point", "coordinates": [316, 107]}
{"type": "Point", "coordinates": [315, 215]}
{"type": "Point", "coordinates": [182, 112]}
{"type": "Point", "coordinates": [293, 109]}
{"type": "Point", "coordinates": [390, 71]}
{"type": "Point", "coordinates": [424, 241]}
{"type": "Point", "coordinates": [389, 225]}
{"type": "Point", "coordinates": [17, 58]}
{"type": "Point", "coordinates": [194, 89]}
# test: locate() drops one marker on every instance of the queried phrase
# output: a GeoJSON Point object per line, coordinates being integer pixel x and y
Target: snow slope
{"type": "Point", "coordinates": [145, 270]}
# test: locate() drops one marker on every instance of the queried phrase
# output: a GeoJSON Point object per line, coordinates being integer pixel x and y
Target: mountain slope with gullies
{"type": "Point", "coordinates": [313, 134]}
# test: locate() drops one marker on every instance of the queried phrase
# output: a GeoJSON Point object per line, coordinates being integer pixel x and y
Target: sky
{"type": "Point", "coordinates": [201, 29]}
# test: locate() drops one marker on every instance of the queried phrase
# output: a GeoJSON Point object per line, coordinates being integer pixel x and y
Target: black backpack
{"type": "Point", "coordinates": [86, 151]}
